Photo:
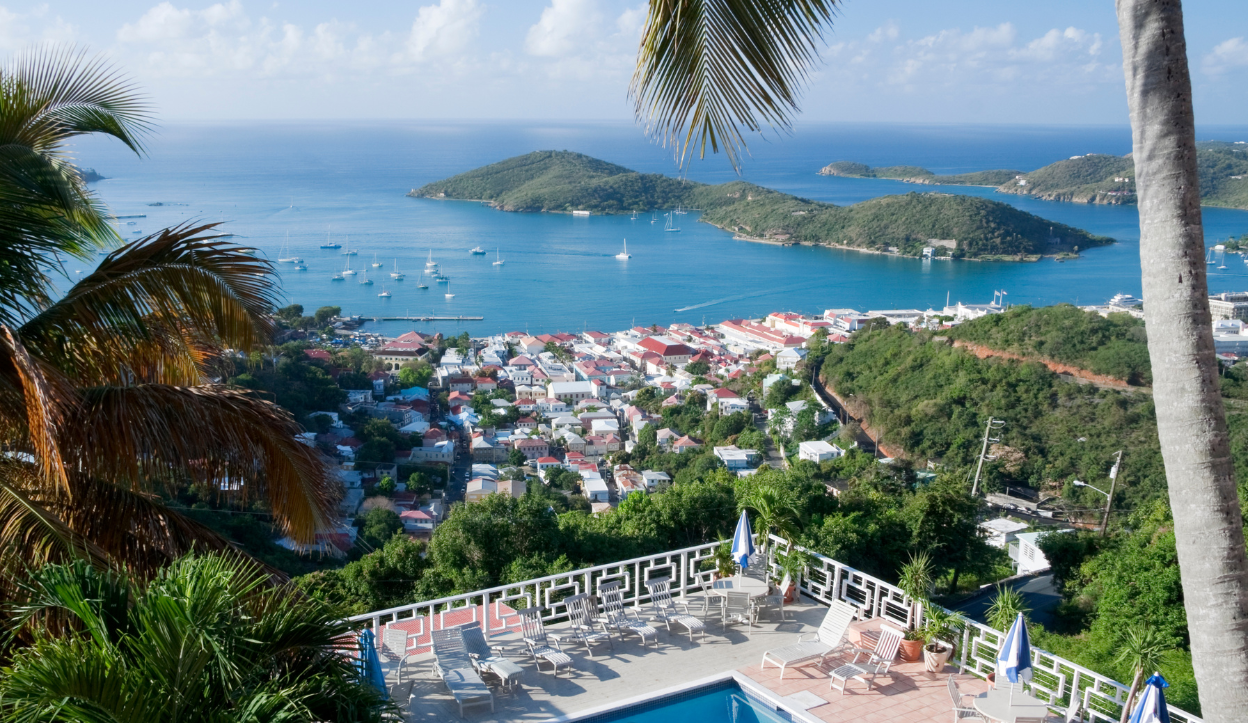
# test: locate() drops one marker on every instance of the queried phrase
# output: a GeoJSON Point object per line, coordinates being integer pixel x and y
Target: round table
{"type": "Point", "coordinates": [755, 587]}
{"type": "Point", "coordinates": [999, 704]}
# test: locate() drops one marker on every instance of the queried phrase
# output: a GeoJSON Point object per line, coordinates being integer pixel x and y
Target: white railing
{"type": "Point", "coordinates": [1071, 690]}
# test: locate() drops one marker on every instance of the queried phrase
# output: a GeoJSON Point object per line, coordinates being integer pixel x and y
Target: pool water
{"type": "Point", "coordinates": [725, 703]}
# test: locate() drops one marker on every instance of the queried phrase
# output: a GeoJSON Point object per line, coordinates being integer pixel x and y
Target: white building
{"type": "Point", "coordinates": [789, 358]}
{"type": "Point", "coordinates": [1001, 532]}
{"type": "Point", "coordinates": [570, 391]}
{"type": "Point", "coordinates": [735, 459]}
{"type": "Point", "coordinates": [818, 451]}
{"type": "Point", "coordinates": [1026, 553]}
{"type": "Point", "coordinates": [595, 488]}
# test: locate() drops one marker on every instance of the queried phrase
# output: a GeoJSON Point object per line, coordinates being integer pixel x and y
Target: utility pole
{"type": "Point", "coordinates": [1109, 498]}
{"type": "Point", "coordinates": [994, 425]}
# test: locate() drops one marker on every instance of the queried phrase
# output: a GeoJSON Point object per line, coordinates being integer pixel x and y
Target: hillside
{"type": "Point", "coordinates": [560, 181]}
{"type": "Point", "coordinates": [1094, 178]}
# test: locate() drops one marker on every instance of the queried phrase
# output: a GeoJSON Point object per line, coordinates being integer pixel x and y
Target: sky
{"type": "Point", "coordinates": [968, 61]}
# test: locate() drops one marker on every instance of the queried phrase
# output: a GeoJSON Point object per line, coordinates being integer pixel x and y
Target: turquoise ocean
{"type": "Point", "coordinates": [267, 182]}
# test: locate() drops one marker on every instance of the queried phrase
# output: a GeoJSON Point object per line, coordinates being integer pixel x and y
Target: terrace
{"type": "Point", "coordinates": [629, 672]}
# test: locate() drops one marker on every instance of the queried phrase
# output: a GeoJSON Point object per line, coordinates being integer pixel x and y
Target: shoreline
{"type": "Point", "coordinates": [1026, 258]}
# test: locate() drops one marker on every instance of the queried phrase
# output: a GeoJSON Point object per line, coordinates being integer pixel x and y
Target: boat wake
{"type": "Point", "coordinates": [738, 297]}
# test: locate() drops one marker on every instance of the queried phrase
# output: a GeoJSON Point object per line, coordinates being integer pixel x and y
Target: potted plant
{"type": "Point", "coordinates": [722, 561]}
{"type": "Point", "coordinates": [938, 625]}
{"type": "Point", "coordinates": [916, 583]}
{"type": "Point", "coordinates": [794, 564]}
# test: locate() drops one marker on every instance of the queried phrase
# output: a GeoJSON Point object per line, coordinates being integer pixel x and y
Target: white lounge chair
{"type": "Point", "coordinates": [666, 610]}
{"type": "Point", "coordinates": [454, 667]}
{"type": "Point", "coordinates": [394, 647]}
{"type": "Point", "coordinates": [878, 662]}
{"type": "Point", "coordinates": [581, 625]}
{"type": "Point", "coordinates": [828, 639]}
{"type": "Point", "coordinates": [487, 661]}
{"type": "Point", "coordinates": [617, 616]}
{"type": "Point", "coordinates": [534, 634]}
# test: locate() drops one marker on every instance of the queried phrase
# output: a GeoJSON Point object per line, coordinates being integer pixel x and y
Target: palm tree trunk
{"type": "Point", "coordinates": [1135, 688]}
{"type": "Point", "coordinates": [1191, 422]}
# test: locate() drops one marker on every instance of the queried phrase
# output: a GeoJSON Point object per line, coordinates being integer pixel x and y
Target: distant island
{"type": "Point", "coordinates": [1094, 178]}
{"type": "Point", "coordinates": [88, 175]}
{"type": "Point", "coordinates": [954, 226]}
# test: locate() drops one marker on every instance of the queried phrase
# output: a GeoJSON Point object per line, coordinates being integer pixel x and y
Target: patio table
{"type": "Point", "coordinates": [755, 588]}
{"type": "Point", "coordinates": [999, 704]}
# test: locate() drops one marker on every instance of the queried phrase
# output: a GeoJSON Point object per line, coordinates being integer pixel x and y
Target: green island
{"type": "Point", "coordinates": [969, 227]}
{"type": "Point", "coordinates": [1094, 178]}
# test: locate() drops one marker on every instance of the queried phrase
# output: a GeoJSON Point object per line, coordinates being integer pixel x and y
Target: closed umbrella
{"type": "Point", "coordinates": [368, 662]}
{"type": "Point", "coordinates": [743, 542]}
{"type": "Point", "coordinates": [1014, 658]}
{"type": "Point", "coordinates": [1152, 706]}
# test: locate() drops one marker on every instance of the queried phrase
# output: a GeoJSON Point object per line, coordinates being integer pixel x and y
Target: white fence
{"type": "Point", "coordinates": [1072, 691]}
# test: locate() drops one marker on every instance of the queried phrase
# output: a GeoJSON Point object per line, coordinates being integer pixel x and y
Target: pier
{"type": "Point", "coordinates": [422, 318]}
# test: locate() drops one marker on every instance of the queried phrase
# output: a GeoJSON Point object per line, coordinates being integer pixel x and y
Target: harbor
{"type": "Point", "coordinates": [428, 317]}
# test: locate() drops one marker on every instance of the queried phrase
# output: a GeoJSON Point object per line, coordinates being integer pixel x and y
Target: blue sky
{"type": "Point", "coordinates": [968, 61]}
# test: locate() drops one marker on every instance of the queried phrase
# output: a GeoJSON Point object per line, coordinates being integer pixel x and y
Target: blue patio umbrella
{"type": "Point", "coordinates": [1152, 705]}
{"type": "Point", "coordinates": [368, 662]}
{"type": "Point", "coordinates": [743, 542]}
{"type": "Point", "coordinates": [1014, 658]}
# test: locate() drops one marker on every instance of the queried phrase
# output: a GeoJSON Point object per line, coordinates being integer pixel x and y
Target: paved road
{"type": "Point", "coordinates": [865, 443]}
{"type": "Point", "coordinates": [1040, 593]}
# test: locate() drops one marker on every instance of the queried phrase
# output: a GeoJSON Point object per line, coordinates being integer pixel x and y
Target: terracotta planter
{"type": "Point", "coordinates": [790, 595]}
{"type": "Point", "coordinates": [934, 661]}
{"type": "Point", "coordinates": [911, 650]}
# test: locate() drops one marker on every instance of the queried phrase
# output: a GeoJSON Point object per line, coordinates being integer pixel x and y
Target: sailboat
{"type": "Point", "coordinates": [477, 251]}
{"type": "Point", "coordinates": [431, 264]}
{"type": "Point", "coordinates": [347, 251]}
{"type": "Point", "coordinates": [498, 261]}
{"type": "Point", "coordinates": [1209, 257]}
{"type": "Point", "coordinates": [347, 271]}
{"type": "Point", "coordinates": [301, 266]}
{"type": "Point", "coordinates": [330, 244]}
{"type": "Point", "coordinates": [442, 278]}
{"type": "Point", "coordinates": [396, 274]}
{"type": "Point", "coordinates": [654, 217]}
{"type": "Point", "coordinates": [634, 218]}
{"type": "Point", "coordinates": [670, 227]}
{"type": "Point", "coordinates": [624, 255]}
{"type": "Point", "coordinates": [337, 277]}
{"type": "Point", "coordinates": [679, 212]}
{"type": "Point", "coordinates": [283, 256]}
{"type": "Point", "coordinates": [364, 280]}
{"type": "Point", "coordinates": [376, 263]}
{"type": "Point", "coordinates": [422, 284]}
{"type": "Point", "coordinates": [449, 295]}
{"type": "Point", "coordinates": [384, 293]}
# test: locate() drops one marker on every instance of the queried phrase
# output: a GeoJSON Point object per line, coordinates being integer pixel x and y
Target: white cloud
{"type": "Point", "coordinates": [444, 29]}
{"type": "Point", "coordinates": [1228, 54]}
{"type": "Point", "coordinates": [888, 30]}
{"type": "Point", "coordinates": [21, 31]}
{"type": "Point", "coordinates": [565, 28]}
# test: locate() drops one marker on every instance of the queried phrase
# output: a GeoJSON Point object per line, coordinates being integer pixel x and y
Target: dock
{"type": "Point", "coordinates": [422, 318]}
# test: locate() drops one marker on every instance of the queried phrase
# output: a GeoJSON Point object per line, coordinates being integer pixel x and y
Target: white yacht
{"type": "Point", "coordinates": [301, 266]}
{"type": "Point", "coordinates": [384, 293]}
{"type": "Point", "coordinates": [376, 264]}
{"type": "Point", "coordinates": [498, 261]}
{"type": "Point", "coordinates": [283, 256]}
{"type": "Point", "coordinates": [671, 226]}
{"type": "Point", "coordinates": [364, 280]}
{"type": "Point", "coordinates": [396, 274]}
{"type": "Point", "coordinates": [449, 295]}
{"type": "Point", "coordinates": [431, 264]}
{"type": "Point", "coordinates": [421, 284]}
{"type": "Point", "coordinates": [337, 277]}
{"type": "Point", "coordinates": [347, 250]}
{"type": "Point", "coordinates": [477, 251]}
{"type": "Point", "coordinates": [347, 271]}
{"type": "Point", "coordinates": [329, 244]}
{"type": "Point", "coordinates": [624, 255]}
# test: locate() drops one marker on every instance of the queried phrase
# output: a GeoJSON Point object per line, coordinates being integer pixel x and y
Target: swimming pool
{"type": "Point", "coordinates": [722, 702]}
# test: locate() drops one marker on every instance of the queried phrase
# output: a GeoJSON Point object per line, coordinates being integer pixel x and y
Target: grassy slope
{"type": "Point", "coordinates": [1087, 179]}
{"type": "Point", "coordinates": [563, 181]}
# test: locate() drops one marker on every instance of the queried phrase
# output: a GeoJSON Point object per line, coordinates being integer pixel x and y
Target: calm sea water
{"type": "Point", "coordinates": [347, 181]}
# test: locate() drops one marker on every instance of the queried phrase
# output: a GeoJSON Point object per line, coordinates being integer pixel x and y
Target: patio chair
{"type": "Point", "coordinates": [738, 608]}
{"type": "Point", "coordinates": [878, 661]}
{"type": "Point", "coordinates": [776, 602]}
{"type": "Point", "coordinates": [394, 648]}
{"type": "Point", "coordinates": [617, 616]}
{"type": "Point", "coordinates": [956, 694]}
{"type": "Point", "coordinates": [454, 667]}
{"type": "Point", "coordinates": [488, 662]}
{"type": "Point", "coordinates": [961, 713]}
{"type": "Point", "coordinates": [666, 610]}
{"type": "Point", "coordinates": [581, 625]}
{"type": "Point", "coordinates": [534, 634]}
{"type": "Point", "coordinates": [710, 596]}
{"type": "Point", "coordinates": [830, 638]}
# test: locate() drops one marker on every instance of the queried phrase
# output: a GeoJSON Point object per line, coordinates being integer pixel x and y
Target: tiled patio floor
{"type": "Point", "coordinates": [628, 671]}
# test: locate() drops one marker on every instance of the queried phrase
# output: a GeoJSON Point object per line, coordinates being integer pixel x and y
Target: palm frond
{"type": "Point", "coordinates": [155, 309]}
{"type": "Point", "coordinates": [240, 446]}
{"type": "Point", "coordinates": [36, 402]}
{"type": "Point", "coordinates": [706, 69]}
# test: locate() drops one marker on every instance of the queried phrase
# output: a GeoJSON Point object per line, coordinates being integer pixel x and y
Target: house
{"type": "Point", "coordinates": [605, 426]}
{"type": "Point", "coordinates": [485, 449]}
{"type": "Point", "coordinates": [417, 522]}
{"type": "Point", "coordinates": [480, 488]}
{"type": "Point", "coordinates": [572, 442]}
{"type": "Point", "coordinates": [727, 400]}
{"type": "Point", "coordinates": [789, 358]}
{"type": "Point", "coordinates": [653, 478]}
{"type": "Point", "coordinates": [685, 444]}
{"type": "Point", "coordinates": [551, 406]}
{"type": "Point", "coordinates": [485, 384]}
{"type": "Point", "coordinates": [379, 380]}
{"type": "Point", "coordinates": [1001, 532]}
{"type": "Point", "coordinates": [818, 451]}
{"type": "Point", "coordinates": [530, 345]}
{"type": "Point", "coordinates": [594, 487]}
{"type": "Point", "coordinates": [432, 437]}
{"type": "Point", "coordinates": [440, 452]}
{"type": "Point", "coordinates": [673, 353]}
{"type": "Point", "coordinates": [526, 423]}
{"type": "Point", "coordinates": [545, 463]}
{"type": "Point", "coordinates": [460, 384]}
{"type": "Point", "coordinates": [1026, 553]}
{"type": "Point", "coordinates": [570, 391]}
{"type": "Point", "coordinates": [665, 437]}
{"type": "Point", "coordinates": [735, 459]}
{"type": "Point", "coordinates": [395, 353]}
{"type": "Point", "coordinates": [532, 449]}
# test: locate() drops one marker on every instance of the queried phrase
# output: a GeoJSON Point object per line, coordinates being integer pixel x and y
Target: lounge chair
{"type": "Point", "coordinates": [534, 634]}
{"type": "Point", "coordinates": [666, 610]}
{"type": "Point", "coordinates": [487, 661]}
{"type": "Point", "coordinates": [830, 638]}
{"type": "Point", "coordinates": [738, 608]}
{"type": "Point", "coordinates": [454, 667]}
{"type": "Point", "coordinates": [394, 648]}
{"type": "Point", "coordinates": [617, 616]}
{"type": "Point", "coordinates": [776, 601]}
{"type": "Point", "coordinates": [582, 627]}
{"type": "Point", "coordinates": [878, 662]}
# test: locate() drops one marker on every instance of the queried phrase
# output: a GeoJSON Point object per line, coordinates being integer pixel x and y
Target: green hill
{"type": "Point", "coordinates": [1094, 178]}
{"type": "Point", "coordinates": [561, 181]}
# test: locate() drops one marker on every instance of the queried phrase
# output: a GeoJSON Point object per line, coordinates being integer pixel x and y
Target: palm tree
{"type": "Point", "coordinates": [774, 509]}
{"type": "Point", "coordinates": [1142, 650]}
{"type": "Point", "coordinates": [206, 639]}
{"type": "Point", "coordinates": [107, 402]}
{"type": "Point", "coordinates": [707, 68]}
{"type": "Point", "coordinates": [1191, 421]}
